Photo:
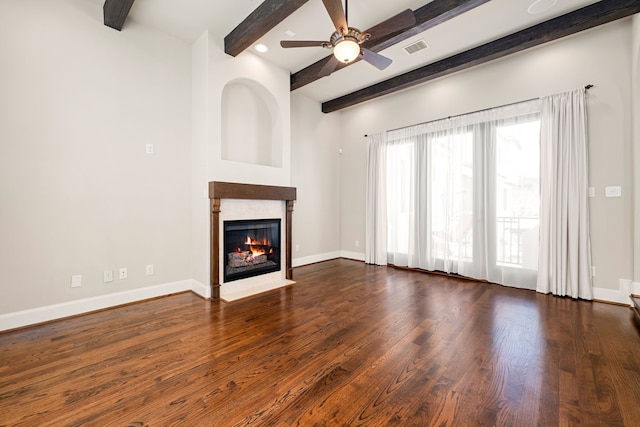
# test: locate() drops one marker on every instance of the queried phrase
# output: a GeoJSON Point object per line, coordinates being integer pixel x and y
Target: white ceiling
{"type": "Point", "coordinates": [187, 19]}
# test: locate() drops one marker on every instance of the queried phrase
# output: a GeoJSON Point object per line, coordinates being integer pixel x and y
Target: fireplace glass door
{"type": "Point", "coordinates": [251, 248]}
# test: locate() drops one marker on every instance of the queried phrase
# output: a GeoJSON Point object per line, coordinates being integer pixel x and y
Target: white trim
{"type": "Point", "coordinates": [246, 288]}
{"type": "Point", "coordinates": [297, 262]}
{"type": "Point", "coordinates": [625, 287]}
{"type": "Point", "coordinates": [203, 290]}
{"type": "Point", "coordinates": [358, 256]}
{"type": "Point", "coordinates": [32, 316]}
{"type": "Point", "coordinates": [611, 295]}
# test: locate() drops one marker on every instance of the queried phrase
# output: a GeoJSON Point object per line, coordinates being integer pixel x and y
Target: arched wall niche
{"type": "Point", "coordinates": [251, 124]}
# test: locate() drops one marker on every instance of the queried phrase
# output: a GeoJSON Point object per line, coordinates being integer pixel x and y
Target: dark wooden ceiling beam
{"type": "Point", "coordinates": [266, 16]}
{"type": "Point", "coordinates": [429, 15]}
{"type": "Point", "coordinates": [603, 12]}
{"type": "Point", "coordinates": [115, 12]}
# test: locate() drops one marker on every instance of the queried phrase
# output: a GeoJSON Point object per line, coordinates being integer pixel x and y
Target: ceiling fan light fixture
{"type": "Point", "coordinates": [346, 50]}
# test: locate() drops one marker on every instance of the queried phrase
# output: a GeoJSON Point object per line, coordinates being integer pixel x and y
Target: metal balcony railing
{"type": "Point", "coordinates": [509, 238]}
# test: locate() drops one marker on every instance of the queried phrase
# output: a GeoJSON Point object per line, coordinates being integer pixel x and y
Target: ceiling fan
{"type": "Point", "coordinates": [346, 41]}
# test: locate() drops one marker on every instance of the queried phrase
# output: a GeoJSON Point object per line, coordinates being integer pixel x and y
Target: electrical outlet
{"type": "Point", "coordinates": [591, 192]}
{"type": "Point", "coordinates": [123, 274]}
{"type": "Point", "coordinates": [593, 271]}
{"type": "Point", "coordinates": [76, 280]}
{"type": "Point", "coordinates": [148, 269]}
{"type": "Point", "coordinates": [107, 276]}
{"type": "Point", "coordinates": [148, 148]}
{"type": "Point", "coordinates": [357, 243]}
{"type": "Point", "coordinates": [297, 248]}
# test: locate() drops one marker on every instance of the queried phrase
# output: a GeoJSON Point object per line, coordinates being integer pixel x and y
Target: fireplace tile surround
{"type": "Point", "coordinates": [243, 202]}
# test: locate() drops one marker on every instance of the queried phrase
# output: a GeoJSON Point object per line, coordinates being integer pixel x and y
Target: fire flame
{"type": "Point", "coordinates": [258, 247]}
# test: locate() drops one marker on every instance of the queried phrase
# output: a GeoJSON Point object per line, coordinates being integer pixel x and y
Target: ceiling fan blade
{"type": "Point", "coordinates": [401, 21]}
{"type": "Point", "coordinates": [328, 68]}
{"type": "Point", "coordinates": [336, 12]}
{"type": "Point", "coordinates": [303, 43]}
{"type": "Point", "coordinates": [375, 59]}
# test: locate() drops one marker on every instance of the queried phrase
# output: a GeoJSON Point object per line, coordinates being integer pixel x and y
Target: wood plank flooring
{"type": "Point", "coordinates": [349, 344]}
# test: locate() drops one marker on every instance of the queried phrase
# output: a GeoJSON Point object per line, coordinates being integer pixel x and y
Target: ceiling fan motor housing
{"type": "Point", "coordinates": [353, 34]}
{"type": "Point", "coordinates": [346, 47]}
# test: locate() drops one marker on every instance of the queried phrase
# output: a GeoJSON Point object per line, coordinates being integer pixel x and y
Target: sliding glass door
{"type": "Point", "coordinates": [515, 216]}
{"type": "Point", "coordinates": [465, 199]}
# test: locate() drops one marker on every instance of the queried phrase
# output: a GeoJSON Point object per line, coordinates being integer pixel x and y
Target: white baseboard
{"type": "Point", "coordinates": [203, 290]}
{"type": "Point", "coordinates": [57, 311]}
{"type": "Point", "coordinates": [352, 255]}
{"type": "Point", "coordinates": [86, 305]}
{"type": "Point", "coordinates": [297, 262]}
{"type": "Point", "coordinates": [611, 295]}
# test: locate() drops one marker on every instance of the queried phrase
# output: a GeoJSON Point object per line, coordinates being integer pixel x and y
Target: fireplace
{"type": "Point", "coordinates": [229, 192]}
{"type": "Point", "coordinates": [251, 248]}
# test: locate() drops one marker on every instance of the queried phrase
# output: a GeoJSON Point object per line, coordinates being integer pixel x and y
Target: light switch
{"type": "Point", "coordinates": [615, 191]}
{"type": "Point", "coordinates": [591, 192]}
{"type": "Point", "coordinates": [107, 276]}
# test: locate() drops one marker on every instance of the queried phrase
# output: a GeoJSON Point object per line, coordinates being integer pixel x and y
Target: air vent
{"type": "Point", "coordinates": [416, 47]}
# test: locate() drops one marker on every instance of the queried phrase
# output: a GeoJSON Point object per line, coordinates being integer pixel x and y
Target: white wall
{"type": "Point", "coordinates": [600, 56]}
{"type": "Point", "coordinates": [212, 71]}
{"type": "Point", "coordinates": [78, 103]}
{"type": "Point", "coordinates": [200, 162]}
{"type": "Point", "coordinates": [315, 173]}
{"type": "Point", "coordinates": [251, 125]}
{"type": "Point", "coordinates": [224, 69]}
{"type": "Point", "coordinates": [635, 85]}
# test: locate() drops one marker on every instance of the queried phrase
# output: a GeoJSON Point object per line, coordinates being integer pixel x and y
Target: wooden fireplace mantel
{"type": "Point", "coordinates": [229, 190]}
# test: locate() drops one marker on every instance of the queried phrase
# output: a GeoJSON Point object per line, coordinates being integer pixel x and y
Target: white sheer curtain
{"type": "Point", "coordinates": [376, 217]}
{"type": "Point", "coordinates": [461, 195]}
{"type": "Point", "coordinates": [565, 257]}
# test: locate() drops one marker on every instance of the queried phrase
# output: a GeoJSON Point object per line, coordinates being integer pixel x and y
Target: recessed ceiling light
{"type": "Point", "coordinates": [261, 48]}
{"type": "Point", "coordinates": [290, 33]}
{"type": "Point", "coordinates": [539, 6]}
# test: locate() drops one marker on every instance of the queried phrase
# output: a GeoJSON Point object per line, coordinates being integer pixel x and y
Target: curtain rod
{"type": "Point", "coordinates": [587, 87]}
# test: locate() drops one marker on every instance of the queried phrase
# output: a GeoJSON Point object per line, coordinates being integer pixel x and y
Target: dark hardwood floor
{"type": "Point", "coordinates": [349, 344]}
